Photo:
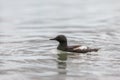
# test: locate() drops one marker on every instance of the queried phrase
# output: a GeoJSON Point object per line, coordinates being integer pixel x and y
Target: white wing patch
{"type": "Point", "coordinates": [81, 47]}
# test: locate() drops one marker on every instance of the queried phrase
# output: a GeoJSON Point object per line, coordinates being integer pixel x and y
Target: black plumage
{"type": "Point", "coordinates": [77, 48]}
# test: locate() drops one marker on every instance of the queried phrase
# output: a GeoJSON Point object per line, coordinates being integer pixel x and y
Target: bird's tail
{"type": "Point", "coordinates": [90, 50]}
{"type": "Point", "coordinates": [95, 49]}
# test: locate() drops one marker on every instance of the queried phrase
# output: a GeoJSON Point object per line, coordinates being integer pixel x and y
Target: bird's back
{"type": "Point", "coordinates": [81, 49]}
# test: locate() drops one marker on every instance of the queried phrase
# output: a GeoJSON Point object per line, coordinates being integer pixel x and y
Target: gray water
{"type": "Point", "coordinates": [26, 53]}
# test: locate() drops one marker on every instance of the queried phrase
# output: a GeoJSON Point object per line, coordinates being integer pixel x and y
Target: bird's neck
{"type": "Point", "coordinates": [62, 46]}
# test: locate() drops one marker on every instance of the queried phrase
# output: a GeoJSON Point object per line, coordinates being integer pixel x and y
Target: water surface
{"type": "Point", "coordinates": [26, 53]}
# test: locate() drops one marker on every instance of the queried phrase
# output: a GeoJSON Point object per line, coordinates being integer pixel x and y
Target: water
{"type": "Point", "coordinates": [26, 53]}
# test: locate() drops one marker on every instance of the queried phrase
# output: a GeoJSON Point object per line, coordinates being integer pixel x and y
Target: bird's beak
{"type": "Point", "coordinates": [53, 39]}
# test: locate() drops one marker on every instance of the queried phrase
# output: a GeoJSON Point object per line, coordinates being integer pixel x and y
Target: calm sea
{"type": "Point", "coordinates": [26, 53]}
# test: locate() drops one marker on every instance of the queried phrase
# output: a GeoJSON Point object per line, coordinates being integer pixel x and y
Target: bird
{"type": "Point", "coordinates": [63, 46]}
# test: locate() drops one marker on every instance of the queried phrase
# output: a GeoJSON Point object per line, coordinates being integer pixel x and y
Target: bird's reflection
{"type": "Point", "coordinates": [62, 65]}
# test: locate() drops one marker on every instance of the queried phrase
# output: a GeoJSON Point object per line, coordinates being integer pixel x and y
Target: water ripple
{"type": "Point", "coordinates": [26, 53]}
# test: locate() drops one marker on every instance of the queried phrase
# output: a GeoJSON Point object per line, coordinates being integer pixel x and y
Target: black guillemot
{"type": "Point", "coordinates": [77, 48]}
